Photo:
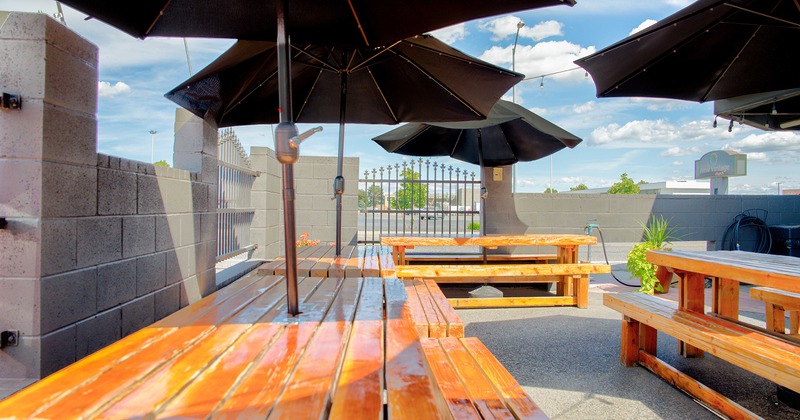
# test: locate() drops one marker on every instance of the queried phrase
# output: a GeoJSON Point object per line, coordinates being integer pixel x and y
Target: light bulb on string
{"type": "Point", "coordinates": [715, 122]}
{"type": "Point", "coordinates": [774, 109]}
{"type": "Point", "coordinates": [541, 84]}
{"type": "Point", "coordinates": [730, 126]}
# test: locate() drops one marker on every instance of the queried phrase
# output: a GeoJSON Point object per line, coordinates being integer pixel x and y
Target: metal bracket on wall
{"type": "Point", "coordinates": [10, 101]}
{"type": "Point", "coordinates": [3, 222]}
{"type": "Point", "coordinates": [9, 339]}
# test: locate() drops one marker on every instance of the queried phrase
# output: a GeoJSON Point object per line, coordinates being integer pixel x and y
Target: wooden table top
{"type": "Point", "coordinates": [778, 271]}
{"type": "Point", "coordinates": [491, 241]}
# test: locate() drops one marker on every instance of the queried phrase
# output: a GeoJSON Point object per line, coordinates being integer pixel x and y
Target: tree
{"type": "Point", "coordinates": [549, 190]}
{"type": "Point", "coordinates": [624, 186]}
{"type": "Point", "coordinates": [412, 194]}
{"type": "Point", "coordinates": [579, 187]}
{"type": "Point", "coordinates": [362, 199]}
{"type": "Point", "coordinates": [374, 196]}
{"type": "Point", "coordinates": [162, 163]}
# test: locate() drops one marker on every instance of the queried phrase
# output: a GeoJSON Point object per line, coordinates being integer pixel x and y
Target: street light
{"type": "Point", "coordinates": [153, 146]}
{"type": "Point", "coordinates": [520, 24]}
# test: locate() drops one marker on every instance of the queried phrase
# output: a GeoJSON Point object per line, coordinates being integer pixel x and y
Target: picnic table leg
{"type": "Point", "coordinates": [567, 254]}
{"type": "Point", "coordinates": [726, 297]}
{"type": "Point", "coordinates": [692, 298]}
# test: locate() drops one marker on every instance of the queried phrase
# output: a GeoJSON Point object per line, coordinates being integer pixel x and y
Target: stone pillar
{"type": "Point", "coordinates": [48, 180]}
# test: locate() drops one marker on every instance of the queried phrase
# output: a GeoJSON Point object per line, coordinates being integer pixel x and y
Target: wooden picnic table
{"type": "Point", "coordinates": [322, 261]}
{"type": "Point", "coordinates": [727, 269]}
{"type": "Point", "coordinates": [353, 352]}
{"type": "Point", "coordinates": [567, 245]}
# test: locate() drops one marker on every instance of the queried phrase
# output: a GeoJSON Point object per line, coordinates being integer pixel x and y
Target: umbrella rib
{"type": "Point", "coordinates": [160, 14]}
{"type": "Point", "coordinates": [308, 96]}
{"type": "Point", "coordinates": [768, 16]}
{"type": "Point", "coordinates": [380, 91]}
{"type": "Point", "coordinates": [358, 22]}
{"type": "Point", "coordinates": [322, 64]}
{"type": "Point", "coordinates": [728, 67]}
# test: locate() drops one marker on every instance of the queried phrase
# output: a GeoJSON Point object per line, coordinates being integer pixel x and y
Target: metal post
{"type": "Point", "coordinates": [520, 24]}
{"type": "Point", "coordinates": [153, 146]}
{"type": "Point", "coordinates": [338, 182]}
{"type": "Point", "coordinates": [287, 156]}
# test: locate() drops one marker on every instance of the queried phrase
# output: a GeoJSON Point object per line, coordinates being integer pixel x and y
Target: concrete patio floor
{"type": "Point", "coordinates": [567, 359]}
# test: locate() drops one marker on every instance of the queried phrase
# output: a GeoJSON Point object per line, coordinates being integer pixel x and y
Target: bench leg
{"type": "Point", "coordinates": [776, 318]}
{"type": "Point", "coordinates": [582, 291]}
{"type": "Point", "coordinates": [794, 322]}
{"type": "Point", "coordinates": [726, 298]}
{"type": "Point", "coordinates": [692, 298]}
{"type": "Point", "coordinates": [629, 342]}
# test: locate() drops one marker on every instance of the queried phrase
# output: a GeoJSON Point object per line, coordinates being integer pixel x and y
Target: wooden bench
{"type": "Point", "coordinates": [766, 355]}
{"type": "Point", "coordinates": [477, 258]}
{"type": "Point", "coordinates": [431, 313]}
{"type": "Point", "coordinates": [473, 382]}
{"type": "Point", "coordinates": [778, 302]}
{"type": "Point", "coordinates": [573, 281]}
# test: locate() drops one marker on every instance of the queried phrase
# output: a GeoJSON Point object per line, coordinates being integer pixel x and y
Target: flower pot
{"type": "Point", "coordinates": [664, 277]}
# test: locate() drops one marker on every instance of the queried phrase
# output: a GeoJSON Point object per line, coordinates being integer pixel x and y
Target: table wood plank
{"type": "Point", "coordinates": [409, 389]}
{"type": "Point", "coordinates": [455, 326]}
{"type": "Point", "coordinates": [490, 241]}
{"type": "Point", "coordinates": [371, 264]}
{"type": "Point", "coordinates": [415, 310]}
{"type": "Point", "coordinates": [322, 266]}
{"type": "Point", "coordinates": [355, 263]}
{"type": "Point", "coordinates": [437, 326]}
{"type": "Point", "coordinates": [453, 390]}
{"type": "Point", "coordinates": [360, 384]}
{"type": "Point", "coordinates": [339, 264]}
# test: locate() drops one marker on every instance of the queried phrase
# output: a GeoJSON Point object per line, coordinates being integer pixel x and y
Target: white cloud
{"type": "Point", "coordinates": [660, 104]}
{"type": "Point", "coordinates": [451, 34]}
{"type": "Point", "coordinates": [584, 107]}
{"type": "Point", "coordinates": [105, 89]}
{"type": "Point", "coordinates": [778, 141]}
{"type": "Point", "coordinates": [542, 58]}
{"type": "Point", "coordinates": [677, 163]}
{"type": "Point", "coordinates": [506, 26]}
{"type": "Point", "coordinates": [644, 25]}
{"type": "Point", "coordinates": [681, 151]}
{"type": "Point", "coordinates": [757, 156]}
{"type": "Point", "coordinates": [647, 131]}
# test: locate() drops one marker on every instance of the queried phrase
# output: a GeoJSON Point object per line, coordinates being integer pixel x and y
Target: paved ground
{"type": "Point", "coordinates": [567, 359]}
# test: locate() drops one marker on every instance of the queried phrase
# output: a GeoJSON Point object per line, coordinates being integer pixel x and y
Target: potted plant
{"type": "Point", "coordinates": [657, 235]}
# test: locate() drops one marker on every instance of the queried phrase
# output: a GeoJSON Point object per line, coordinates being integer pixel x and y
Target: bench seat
{"type": "Point", "coordinates": [431, 314]}
{"type": "Point", "coordinates": [777, 303]}
{"type": "Point", "coordinates": [763, 354]}
{"type": "Point", "coordinates": [473, 383]}
{"type": "Point", "coordinates": [322, 261]}
{"type": "Point", "coordinates": [417, 258]}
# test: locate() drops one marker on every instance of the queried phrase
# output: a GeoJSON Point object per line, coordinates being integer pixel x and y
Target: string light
{"type": "Point", "coordinates": [774, 109]}
{"type": "Point", "coordinates": [541, 84]}
{"type": "Point", "coordinates": [730, 126]}
{"type": "Point", "coordinates": [715, 122]}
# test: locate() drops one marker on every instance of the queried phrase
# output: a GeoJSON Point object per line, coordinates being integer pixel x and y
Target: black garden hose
{"type": "Point", "coordinates": [748, 220]}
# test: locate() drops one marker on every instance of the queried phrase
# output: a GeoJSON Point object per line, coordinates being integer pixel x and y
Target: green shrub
{"type": "Point", "coordinates": [474, 226]}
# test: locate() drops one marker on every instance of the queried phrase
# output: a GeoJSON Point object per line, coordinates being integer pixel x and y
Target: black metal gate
{"type": "Point", "coordinates": [418, 198]}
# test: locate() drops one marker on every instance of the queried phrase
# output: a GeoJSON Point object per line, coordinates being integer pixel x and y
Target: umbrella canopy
{"type": "Point", "coordinates": [356, 22]}
{"type": "Point", "coordinates": [336, 22]}
{"type": "Point", "coordinates": [415, 79]}
{"type": "Point", "coordinates": [712, 49]}
{"type": "Point", "coordinates": [509, 135]}
{"type": "Point", "coordinates": [767, 111]}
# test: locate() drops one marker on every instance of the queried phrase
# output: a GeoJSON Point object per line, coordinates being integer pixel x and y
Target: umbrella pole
{"type": "Point", "coordinates": [287, 156]}
{"type": "Point", "coordinates": [484, 192]}
{"type": "Point", "coordinates": [338, 182]}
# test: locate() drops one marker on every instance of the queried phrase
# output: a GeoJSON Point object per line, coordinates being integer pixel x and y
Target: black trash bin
{"type": "Point", "coordinates": [785, 240]}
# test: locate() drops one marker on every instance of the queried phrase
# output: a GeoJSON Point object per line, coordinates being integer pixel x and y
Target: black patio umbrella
{"type": "Point", "coordinates": [774, 111]}
{"type": "Point", "coordinates": [355, 22]}
{"type": "Point", "coordinates": [712, 49]}
{"type": "Point", "coordinates": [416, 79]}
{"type": "Point", "coordinates": [510, 134]}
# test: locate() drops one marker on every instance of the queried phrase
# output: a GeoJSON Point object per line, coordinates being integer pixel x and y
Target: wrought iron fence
{"type": "Point", "coordinates": [234, 209]}
{"type": "Point", "coordinates": [418, 198]}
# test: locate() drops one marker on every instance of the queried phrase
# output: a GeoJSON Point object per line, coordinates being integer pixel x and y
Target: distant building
{"type": "Point", "coordinates": [789, 191]}
{"type": "Point", "coordinates": [681, 187]}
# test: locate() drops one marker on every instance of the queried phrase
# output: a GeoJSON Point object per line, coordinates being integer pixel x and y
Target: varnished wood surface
{"type": "Point", "coordinates": [762, 354]}
{"type": "Point", "coordinates": [322, 261]}
{"type": "Point", "coordinates": [490, 241]}
{"type": "Point", "coordinates": [777, 271]}
{"type": "Point", "coordinates": [498, 270]}
{"type": "Point", "coordinates": [353, 352]}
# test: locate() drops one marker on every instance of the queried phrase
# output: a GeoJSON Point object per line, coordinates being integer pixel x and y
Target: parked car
{"type": "Point", "coordinates": [431, 213]}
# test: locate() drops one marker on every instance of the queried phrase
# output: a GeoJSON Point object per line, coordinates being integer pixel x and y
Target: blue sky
{"type": "Point", "coordinates": [650, 139]}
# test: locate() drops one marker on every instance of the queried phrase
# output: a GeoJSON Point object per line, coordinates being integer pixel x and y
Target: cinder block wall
{"type": "Point", "coordinates": [96, 246]}
{"type": "Point", "coordinates": [315, 211]}
{"type": "Point", "coordinates": [697, 218]}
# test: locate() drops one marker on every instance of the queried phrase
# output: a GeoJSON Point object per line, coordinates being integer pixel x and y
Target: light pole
{"type": "Point", "coordinates": [520, 24]}
{"type": "Point", "coordinates": [153, 146]}
{"type": "Point", "coordinates": [779, 188]}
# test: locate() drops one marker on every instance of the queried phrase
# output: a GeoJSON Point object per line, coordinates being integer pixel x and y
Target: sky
{"type": "Point", "coordinates": [649, 139]}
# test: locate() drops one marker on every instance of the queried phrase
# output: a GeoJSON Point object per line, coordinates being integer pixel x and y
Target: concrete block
{"type": "Point", "coordinates": [40, 27]}
{"type": "Point", "coordinates": [102, 160]}
{"type": "Point", "coordinates": [116, 192]}
{"type": "Point", "coordinates": [20, 248]}
{"type": "Point", "coordinates": [167, 301]}
{"type": "Point", "coordinates": [208, 223]}
{"type": "Point", "coordinates": [19, 127]}
{"type": "Point", "coordinates": [21, 195]}
{"type": "Point", "coordinates": [150, 200]}
{"type": "Point", "coordinates": [99, 240]}
{"type": "Point", "coordinates": [168, 232]}
{"type": "Point", "coordinates": [198, 286]}
{"type": "Point", "coordinates": [69, 137]}
{"type": "Point", "coordinates": [200, 197]}
{"type": "Point", "coordinates": [138, 235]}
{"type": "Point", "coordinates": [116, 284]}
{"type": "Point", "coordinates": [22, 361]}
{"type": "Point", "coordinates": [138, 314]}
{"type": "Point", "coordinates": [71, 81]}
{"type": "Point", "coordinates": [20, 305]}
{"type": "Point", "coordinates": [212, 198]}
{"type": "Point", "coordinates": [129, 165]}
{"type": "Point", "coordinates": [68, 190]}
{"type": "Point", "coordinates": [115, 162]}
{"type": "Point", "coordinates": [190, 228]}
{"type": "Point", "coordinates": [190, 161]}
{"type": "Point", "coordinates": [205, 255]}
{"type": "Point", "coordinates": [23, 68]}
{"type": "Point", "coordinates": [59, 245]}
{"type": "Point", "coordinates": [210, 169]}
{"type": "Point", "coordinates": [151, 273]}
{"type": "Point", "coordinates": [175, 194]}
{"type": "Point", "coordinates": [97, 332]}
{"type": "Point", "coordinates": [181, 263]}
{"type": "Point", "coordinates": [312, 186]}
{"type": "Point", "coordinates": [68, 298]}
{"type": "Point", "coordinates": [58, 350]}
